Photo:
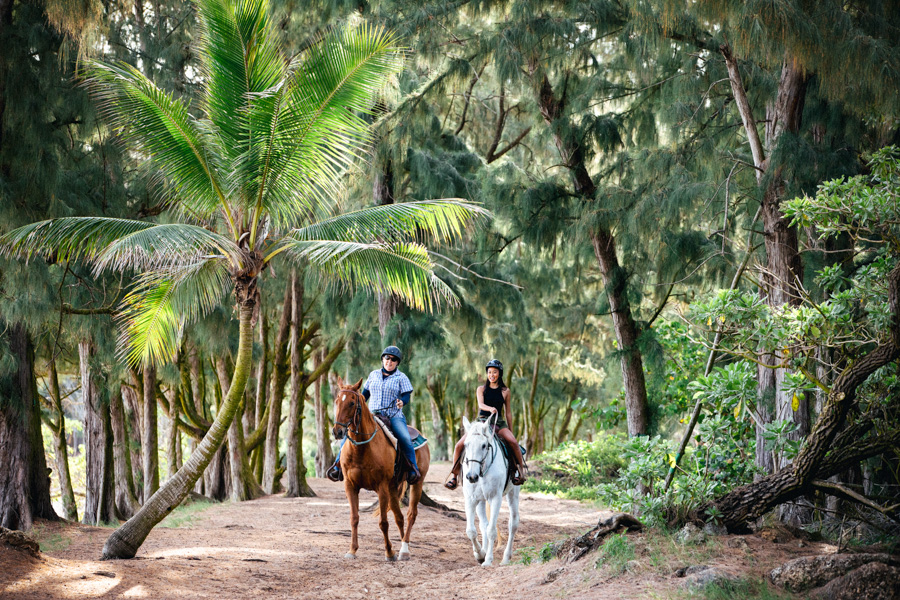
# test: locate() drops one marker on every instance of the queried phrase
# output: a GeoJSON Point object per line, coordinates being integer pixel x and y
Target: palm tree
{"type": "Point", "coordinates": [255, 178]}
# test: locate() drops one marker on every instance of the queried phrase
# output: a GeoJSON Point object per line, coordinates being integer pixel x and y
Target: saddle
{"type": "Point", "coordinates": [402, 467]}
{"type": "Point", "coordinates": [508, 456]}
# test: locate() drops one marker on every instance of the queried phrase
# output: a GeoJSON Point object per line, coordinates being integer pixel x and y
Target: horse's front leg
{"type": "Point", "coordinates": [415, 494]}
{"type": "Point", "coordinates": [481, 511]}
{"type": "Point", "coordinates": [490, 536]}
{"type": "Point", "coordinates": [353, 499]}
{"type": "Point", "coordinates": [384, 501]}
{"type": "Point", "coordinates": [471, 506]}
{"type": "Point", "coordinates": [398, 518]}
{"type": "Point", "coordinates": [512, 500]}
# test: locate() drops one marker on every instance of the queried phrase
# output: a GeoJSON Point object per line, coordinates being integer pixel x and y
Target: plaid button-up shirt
{"type": "Point", "coordinates": [385, 390]}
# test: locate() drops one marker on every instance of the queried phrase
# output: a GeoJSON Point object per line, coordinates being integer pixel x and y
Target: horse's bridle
{"type": "Point", "coordinates": [356, 419]}
{"type": "Point", "coordinates": [481, 462]}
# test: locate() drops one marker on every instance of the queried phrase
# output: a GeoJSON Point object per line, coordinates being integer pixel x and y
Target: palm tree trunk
{"type": "Point", "coordinates": [127, 539]}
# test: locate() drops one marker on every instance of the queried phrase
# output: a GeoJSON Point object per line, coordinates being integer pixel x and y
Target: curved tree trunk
{"type": "Point", "coordinates": [830, 448]}
{"type": "Point", "coordinates": [127, 539]}
{"type": "Point", "coordinates": [131, 401]}
{"type": "Point", "coordinates": [24, 484]}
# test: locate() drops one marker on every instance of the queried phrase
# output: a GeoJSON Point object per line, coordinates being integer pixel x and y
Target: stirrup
{"type": "Point", "coordinates": [452, 483]}
{"type": "Point", "coordinates": [521, 475]}
{"type": "Point", "coordinates": [334, 473]}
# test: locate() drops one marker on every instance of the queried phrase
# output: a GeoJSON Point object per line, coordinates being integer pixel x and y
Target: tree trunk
{"type": "Point", "coordinates": [324, 453]}
{"type": "Point", "coordinates": [614, 276]}
{"type": "Point", "coordinates": [61, 448]}
{"type": "Point", "coordinates": [270, 482]}
{"type": "Point", "coordinates": [563, 431]}
{"type": "Point", "coordinates": [99, 500]}
{"type": "Point", "coordinates": [172, 433]}
{"type": "Point", "coordinates": [24, 481]}
{"type": "Point", "coordinates": [383, 194]}
{"type": "Point", "coordinates": [829, 449]}
{"type": "Point", "coordinates": [126, 501]}
{"type": "Point", "coordinates": [132, 399]}
{"type": "Point", "coordinates": [297, 486]}
{"type": "Point", "coordinates": [127, 539]}
{"type": "Point", "coordinates": [243, 485]}
{"type": "Point", "coordinates": [149, 443]}
{"type": "Point", "coordinates": [262, 385]}
{"type": "Point", "coordinates": [440, 433]}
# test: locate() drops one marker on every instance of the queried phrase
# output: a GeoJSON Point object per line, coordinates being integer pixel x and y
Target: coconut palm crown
{"type": "Point", "coordinates": [255, 177]}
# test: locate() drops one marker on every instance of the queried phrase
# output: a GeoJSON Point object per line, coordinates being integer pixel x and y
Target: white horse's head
{"type": "Point", "coordinates": [479, 448]}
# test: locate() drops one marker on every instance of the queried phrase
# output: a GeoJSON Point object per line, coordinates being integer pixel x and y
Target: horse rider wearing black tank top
{"type": "Point", "coordinates": [493, 398]}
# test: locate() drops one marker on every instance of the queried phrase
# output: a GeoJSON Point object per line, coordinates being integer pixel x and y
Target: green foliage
{"type": "Point", "coordinates": [574, 469]}
{"type": "Point", "coordinates": [615, 552]}
{"type": "Point", "coordinates": [740, 589]}
{"type": "Point", "coordinates": [718, 463]}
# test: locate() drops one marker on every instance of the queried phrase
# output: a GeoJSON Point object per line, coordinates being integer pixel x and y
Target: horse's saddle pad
{"type": "Point", "coordinates": [418, 440]}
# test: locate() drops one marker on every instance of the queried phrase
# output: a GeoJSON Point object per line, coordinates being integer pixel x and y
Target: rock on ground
{"type": "Point", "coordinates": [805, 573]}
{"type": "Point", "coordinates": [872, 581]}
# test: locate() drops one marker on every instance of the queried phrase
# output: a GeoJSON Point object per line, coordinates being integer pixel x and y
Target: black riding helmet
{"type": "Point", "coordinates": [494, 363]}
{"type": "Point", "coordinates": [392, 351]}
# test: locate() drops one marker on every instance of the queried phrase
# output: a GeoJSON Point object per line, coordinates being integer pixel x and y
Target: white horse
{"type": "Point", "coordinates": [484, 487]}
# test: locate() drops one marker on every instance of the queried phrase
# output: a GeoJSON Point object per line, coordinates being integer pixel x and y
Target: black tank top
{"type": "Point", "coordinates": [493, 397]}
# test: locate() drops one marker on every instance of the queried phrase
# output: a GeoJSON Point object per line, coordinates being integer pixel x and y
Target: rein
{"type": "Point", "coordinates": [356, 420]}
{"type": "Point", "coordinates": [481, 463]}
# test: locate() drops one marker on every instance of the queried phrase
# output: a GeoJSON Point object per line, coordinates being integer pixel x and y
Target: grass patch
{"type": "Point", "coordinates": [742, 589]}
{"type": "Point", "coordinates": [615, 553]}
{"type": "Point", "coordinates": [665, 555]}
{"type": "Point", "coordinates": [184, 515]}
{"type": "Point", "coordinates": [49, 541]}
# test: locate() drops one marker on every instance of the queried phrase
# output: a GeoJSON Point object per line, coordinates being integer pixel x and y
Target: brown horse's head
{"type": "Point", "coordinates": [347, 408]}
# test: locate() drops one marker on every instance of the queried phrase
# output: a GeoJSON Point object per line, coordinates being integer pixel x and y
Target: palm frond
{"type": "Point", "coordinates": [69, 238]}
{"type": "Point", "coordinates": [442, 220]}
{"type": "Point", "coordinates": [159, 125]}
{"type": "Point", "coordinates": [168, 244]}
{"type": "Point", "coordinates": [154, 313]}
{"type": "Point", "coordinates": [319, 130]}
{"type": "Point", "coordinates": [404, 269]}
{"type": "Point", "coordinates": [240, 58]}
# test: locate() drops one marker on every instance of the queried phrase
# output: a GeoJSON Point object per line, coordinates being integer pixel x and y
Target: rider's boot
{"type": "Point", "coordinates": [453, 481]}
{"type": "Point", "coordinates": [413, 477]}
{"type": "Point", "coordinates": [334, 472]}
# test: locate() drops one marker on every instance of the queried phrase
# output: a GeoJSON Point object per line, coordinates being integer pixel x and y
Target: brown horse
{"type": "Point", "coordinates": [367, 461]}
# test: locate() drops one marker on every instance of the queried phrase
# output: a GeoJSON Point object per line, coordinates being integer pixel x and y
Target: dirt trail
{"type": "Point", "coordinates": [276, 547]}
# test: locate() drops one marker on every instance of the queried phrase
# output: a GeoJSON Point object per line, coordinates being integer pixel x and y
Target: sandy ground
{"type": "Point", "coordinates": [276, 547]}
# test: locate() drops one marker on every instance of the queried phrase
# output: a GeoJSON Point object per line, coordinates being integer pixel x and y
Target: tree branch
{"type": "Point", "coordinates": [836, 489]}
{"type": "Point", "coordinates": [740, 97]}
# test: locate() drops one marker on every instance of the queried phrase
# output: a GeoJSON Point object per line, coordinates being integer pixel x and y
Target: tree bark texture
{"type": "Point", "coordinates": [24, 480]}
{"type": "Point", "coordinates": [242, 483]}
{"type": "Point", "coordinates": [61, 448]}
{"type": "Point", "coordinates": [125, 498]}
{"type": "Point", "coordinates": [149, 441]}
{"type": "Point", "coordinates": [830, 448]}
{"type": "Point", "coordinates": [270, 482]}
{"type": "Point", "coordinates": [99, 501]}
{"type": "Point", "coordinates": [383, 194]}
{"type": "Point", "coordinates": [127, 539]}
{"type": "Point", "coordinates": [297, 486]}
{"type": "Point", "coordinates": [324, 453]}
{"type": "Point", "coordinates": [132, 403]}
{"type": "Point", "coordinates": [614, 276]}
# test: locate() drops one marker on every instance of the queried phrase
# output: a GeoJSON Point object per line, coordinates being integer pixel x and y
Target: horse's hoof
{"type": "Point", "coordinates": [350, 555]}
{"type": "Point", "coordinates": [391, 558]}
{"type": "Point", "coordinates": [505, 562]}
{"type": "Point", "coordinates": [404, 556]}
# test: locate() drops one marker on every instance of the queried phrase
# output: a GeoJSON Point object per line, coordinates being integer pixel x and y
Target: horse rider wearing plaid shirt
{"type": "Point", "coordinates": [387, 391]}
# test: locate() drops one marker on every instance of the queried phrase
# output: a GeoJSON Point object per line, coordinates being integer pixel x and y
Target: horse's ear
{"type": "Point", "coordinates": [355, 387]}
{"type": "Point", "coordinates": [340, 381]}
{"type": "Point", "coordinates": [466, 424]}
